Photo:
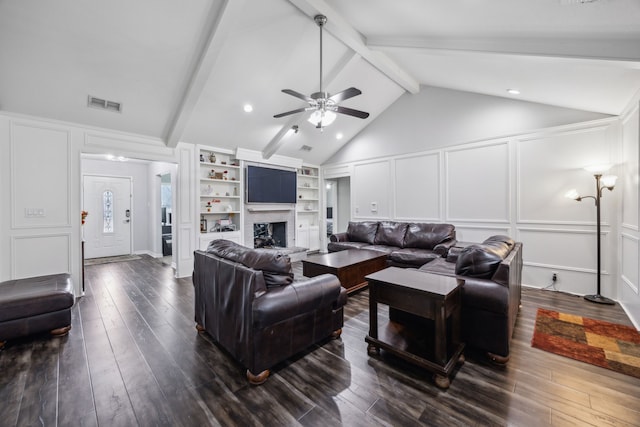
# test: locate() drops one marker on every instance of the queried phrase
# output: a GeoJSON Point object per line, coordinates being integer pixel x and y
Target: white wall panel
{"type": "Point", "coordinates": [630, 256]}
{"type": "Point", "coordinates": [549, 166]}
{"type": "Point", "coordinates": [477, 183]}
{"type": "Point", "coordinates": [39, 255]}
{"type": "Point", "coordinates": [40, 176]}
{"type": "Point", "coordinates": [479, 233]}
{"type": "Point", "coordinates": [630, 187]}
{"type": "Point", "coordinates": [417, 188]}
{"type": "Point", "coordinates": [568, 249]}
{"type": "Point", "coordinates": [371, 185]}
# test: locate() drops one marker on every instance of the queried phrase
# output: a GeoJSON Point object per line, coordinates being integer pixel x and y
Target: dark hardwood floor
{"type": "Point", "coordinates": [133, 357]}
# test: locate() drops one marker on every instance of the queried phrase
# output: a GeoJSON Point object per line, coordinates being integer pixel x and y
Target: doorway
{"type": "Point", "coordinates": [338, 197]}
{"type": "Point", "coordinates": [107, 228]}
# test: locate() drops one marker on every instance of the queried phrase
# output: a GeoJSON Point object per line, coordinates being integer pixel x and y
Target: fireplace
{"type": "Point", "coordinates": [270, 235]}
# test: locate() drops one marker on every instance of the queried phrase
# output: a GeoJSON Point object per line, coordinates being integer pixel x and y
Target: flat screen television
{"type": "Point", "coordinates": [269, 185]}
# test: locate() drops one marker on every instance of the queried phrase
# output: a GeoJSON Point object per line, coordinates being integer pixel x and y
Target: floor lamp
{"type": "Point", "coordinates": [602, 182]}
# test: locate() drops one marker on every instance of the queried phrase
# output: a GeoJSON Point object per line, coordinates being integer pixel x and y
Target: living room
{"type": "Point", "coordinates": [488, 162]}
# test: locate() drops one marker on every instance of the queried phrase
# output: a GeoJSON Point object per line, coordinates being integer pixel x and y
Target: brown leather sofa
{"type": "Point", "coordinates": [247, 301]}
{"type": "Point", "coordinates": [406, 244]}
{"type": "Point", "coordinates": [34, 305]}
{"type": "Point", "coordinates": [491, 294]}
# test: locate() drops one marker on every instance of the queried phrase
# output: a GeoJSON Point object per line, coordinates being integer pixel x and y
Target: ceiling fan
{"type": "Point", "coordinates": [323, 104]}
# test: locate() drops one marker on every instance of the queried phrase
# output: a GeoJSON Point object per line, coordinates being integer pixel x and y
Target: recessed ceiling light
{"type": "Point", "coordinates": [513, 91]}
{"type": "Point", "coordinates": [248, 108]}
{"type": "Point", "coordinates": [339, 135]}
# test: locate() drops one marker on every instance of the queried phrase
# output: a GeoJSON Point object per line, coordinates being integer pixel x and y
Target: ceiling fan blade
{"type": "Point", "coordinates": [299, 110]}
{"type": "Point", "coordinates": [345, 94]}
{"type": "Point", "coordinates": [351, 112]}
{"type": "Point", "coordinates": [297, 95]}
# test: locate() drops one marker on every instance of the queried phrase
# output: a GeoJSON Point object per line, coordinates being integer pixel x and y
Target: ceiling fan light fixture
{"type": "Point", "coordinates": [323, 104]}
{"type": "Point", "coordinates": [321, 118]}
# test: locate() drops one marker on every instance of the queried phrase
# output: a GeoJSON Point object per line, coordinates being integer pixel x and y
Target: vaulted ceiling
{"type": "Point", "coordinates": [183, 70]}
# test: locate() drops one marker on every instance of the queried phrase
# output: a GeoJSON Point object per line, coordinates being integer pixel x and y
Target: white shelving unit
{"type": "Point", "coordinates": [220, 193]}
{"type": "Point", "coordinates": [308, 208]}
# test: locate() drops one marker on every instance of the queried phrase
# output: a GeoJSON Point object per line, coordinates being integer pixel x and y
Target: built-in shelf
{"type": "Point", "coordinates": [217, 196]}
{"type": "Point", "coordinates": [219, 164]}
{"type": "Point", "coordinates": [230, 181]}
{"type": "Point", "coordinates": [218, 212]}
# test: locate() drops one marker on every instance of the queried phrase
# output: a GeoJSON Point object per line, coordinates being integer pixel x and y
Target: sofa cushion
{"type": "Point", "coordinates": [380, 248]}
{"type": "Point", "coordinates": [342, 246]}
{"type": "Point", "coordinates": [275, 266]}
{"type": "Point", "coordinates": [413, 256]}
{"type": "Point", "coordinates": [391, 233]}
{"type": "Point", "coordinates": [362, 231]}
{"type": "Point", "coordinates": [427, 236]}
{"type": "Point", "coordinates": [503, 239]}
{"type": "Point", "coordinates": [440, 266]}
{"type": "Point", "coordinates": [481, 260]}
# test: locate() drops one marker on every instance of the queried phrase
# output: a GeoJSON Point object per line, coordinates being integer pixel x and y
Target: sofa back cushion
{"type": "Point", "coordinates": [362, 231]}
{"type": "Point", "coordinates": [275, 266]}
{"type": "Point", "coordinates": [500, 238]}
{"type": "Point", "coordinates": [482, 260]}
{"type": "Point", "coordinates": [427, 236]}
{"type": "Point", "coordinates": [391, 233]}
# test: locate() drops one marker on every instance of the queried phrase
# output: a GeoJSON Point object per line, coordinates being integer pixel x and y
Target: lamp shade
{"type": "Point", "coordinates": [609, 181]}
{"type": "Point", "coordinates": [601, 168]}
{"type": "Point", "coordinates": [324, 117]}
{"type": "Point", "coordinates": [572, 194]}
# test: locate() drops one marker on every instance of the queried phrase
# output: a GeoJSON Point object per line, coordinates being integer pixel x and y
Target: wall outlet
{"type": "Point", "coordinates": [554, 276]}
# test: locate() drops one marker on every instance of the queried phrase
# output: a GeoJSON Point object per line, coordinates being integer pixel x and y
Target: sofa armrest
{"type": "Point", "coordinates": [301, 297]}
{"type": "Point", "coordinates": [443, 248]}
{"type": "Point", "coordinates": [339, 237]}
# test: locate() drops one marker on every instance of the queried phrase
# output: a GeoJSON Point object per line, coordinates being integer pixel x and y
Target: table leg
{"type": "Point", "coordinates": [372, 350]}
{"type": "Point", "coordinates": [440, 353]}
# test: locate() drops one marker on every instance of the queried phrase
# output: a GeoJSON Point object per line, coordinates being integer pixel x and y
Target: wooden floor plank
{"type": "Point", "coordinates": [133, 357]}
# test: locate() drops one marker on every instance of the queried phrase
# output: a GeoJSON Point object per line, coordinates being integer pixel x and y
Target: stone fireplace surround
{"type": "Point", "coordinates": [261, 213]}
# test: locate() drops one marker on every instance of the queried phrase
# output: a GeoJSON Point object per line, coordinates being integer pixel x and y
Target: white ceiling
{"type": "Point", "coordinates": [184, 70]}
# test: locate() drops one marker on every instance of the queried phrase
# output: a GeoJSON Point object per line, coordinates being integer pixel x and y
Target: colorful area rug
{"type": "Point", "coordinates": [609, 345]}
{"type": "Point", "coordinates": [110, 259]}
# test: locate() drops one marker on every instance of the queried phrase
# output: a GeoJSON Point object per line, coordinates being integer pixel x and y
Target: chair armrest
{"type": "Point", "coordinates": [339, 237]}
{"type": "Point", "coordinates": [305, 296]}
{"type": "Point", "coordinates": [443, 248]}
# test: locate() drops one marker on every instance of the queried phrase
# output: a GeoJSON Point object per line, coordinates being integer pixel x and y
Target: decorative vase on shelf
{"type": "Point", "coordinates": [212, 158]}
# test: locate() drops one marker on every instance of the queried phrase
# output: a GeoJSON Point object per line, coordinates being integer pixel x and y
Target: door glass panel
{"type": "Point", "coordinates": [107, 212]}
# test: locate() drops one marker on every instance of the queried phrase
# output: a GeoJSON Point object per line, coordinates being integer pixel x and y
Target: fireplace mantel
{"type": "Point", "coordinates": [270, 209]}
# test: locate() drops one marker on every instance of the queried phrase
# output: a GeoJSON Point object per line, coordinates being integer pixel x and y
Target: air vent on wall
{"type": "Point", "coordinates": [306, 148]}
{"type": "Point", "coordinates": [104, 104]}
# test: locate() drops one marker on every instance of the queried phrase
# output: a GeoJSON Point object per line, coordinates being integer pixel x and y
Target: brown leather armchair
{"type": "Point", "coordinates": [247, 300]}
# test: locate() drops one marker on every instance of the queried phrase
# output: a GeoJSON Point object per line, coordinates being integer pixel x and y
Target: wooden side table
{"type": "Point", "coordinates": [429, 296]}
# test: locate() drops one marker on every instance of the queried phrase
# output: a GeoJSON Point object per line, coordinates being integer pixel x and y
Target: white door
{"type": "Point", "coordinates": [107, 228]}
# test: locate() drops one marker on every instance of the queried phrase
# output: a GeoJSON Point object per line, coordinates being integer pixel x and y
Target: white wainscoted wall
{"type": "Point", "coordinates": [514, 185]}
{"type": "Point", "coordinates": [40, 189]}
{"type": "Point", "coordinates": [629, 294]}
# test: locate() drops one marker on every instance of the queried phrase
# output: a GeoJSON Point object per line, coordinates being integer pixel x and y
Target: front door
{"type": "Point", "coordinates": [107, 228]}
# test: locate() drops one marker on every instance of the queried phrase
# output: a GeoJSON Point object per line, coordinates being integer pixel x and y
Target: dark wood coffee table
{"type": "Point", "coordinates": [433, 345]}
{"type": "Point", "coordinates": [350, 266]}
